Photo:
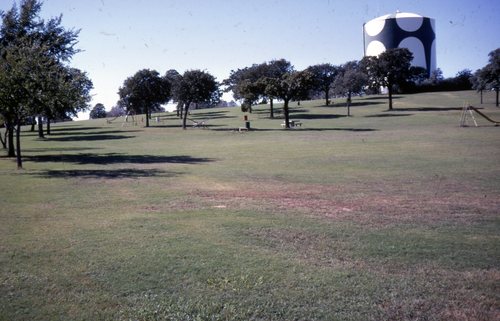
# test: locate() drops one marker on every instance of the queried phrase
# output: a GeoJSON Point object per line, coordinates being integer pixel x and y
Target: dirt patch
{"type": "Point", "coordinates": [375, 204]}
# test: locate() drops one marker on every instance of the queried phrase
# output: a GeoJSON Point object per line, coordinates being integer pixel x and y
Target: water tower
{"type": "Point", "coordinates": [403, 30]}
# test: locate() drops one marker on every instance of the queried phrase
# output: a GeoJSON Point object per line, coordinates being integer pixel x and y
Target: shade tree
{"type": "Point", "coordinates": [389, 69]}
{"type": "Point", "coordinates": [490, 74]}
{"type": "Point", "coordinates": [99, 111]}
{"type": "Point", "coordinates": [323, 78]}
{"type": "Point", "coordinates": [34, 57]}
{"type": "Point", "coordinates": [144, 93]}
{"type": "Point", "coordinates": [350, 80]}
{"type": "Point", "coordinates": [196, 87]}
{"type": "Point", "coordinates": [249, 84]}
{"type": "Point", "coordinates": [293, 85]}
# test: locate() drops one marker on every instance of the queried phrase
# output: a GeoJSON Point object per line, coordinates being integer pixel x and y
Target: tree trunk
{"type": "Point", "coordinates": [3, 139]}
{"type": "Point", "coordinates": [40, 127]}
{"type": "Point", "coordinates": [147, 117]}
{"type": "Point", "coordinates": [184, 117]}
{"type": "Point", "coordinates": [496, 90]}
{"type": "Point", "coordinates": [285, 111]}
{"type": "Point", "coordinates": [349, 104]}
{"type": "Point", "coordinates": [179, 109]}
{"type": "Point", "coordinates": [33, 123]}
{"type": "Point", "coordinates": [10, 140]}
{"type": "Point", "coordinates": [271, 104]}
{"type": "Point", "coordinates": [48, 126]}
{"type": "Point", "coordinates": [327, 97]}
{"type": "Point", "coordinates": [389, 89]}
{"type": "Point", "coordinates": [18, 145]}
{"type": "Point", "coordinates": [481, 95]}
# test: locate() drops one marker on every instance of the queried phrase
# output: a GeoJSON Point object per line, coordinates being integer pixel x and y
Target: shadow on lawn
{"type": "Point", "coordinates": [58, 149]}
{"type": "Point", "coordinates": [427, 109]}
{"type": "Point", "coordinates": [302, 129]}
{"type": "Point", "coordinates": [211, 115]}
{"type": "Point", "coordinates": [353, 104]}
{"type": "Point", "coordinates": [317, 116]}
{"type": "Point", "coordinates": [388, 115]}
{"type": "Point", "coordinates": [86, 137]}
{"type": "Point", "coordinates": [103, 132]}
{"type": "Point", "coordinates": [66, 129]}
{"type": "Point", "coordinates": [108, 174]}
{"type": "Point", "coordinates": [114, 158]}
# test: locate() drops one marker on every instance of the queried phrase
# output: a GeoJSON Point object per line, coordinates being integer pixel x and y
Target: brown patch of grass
{"type": "Point", "coordinates": [374, 204]}
{"type": "Point", "coordinates": [418, 293]}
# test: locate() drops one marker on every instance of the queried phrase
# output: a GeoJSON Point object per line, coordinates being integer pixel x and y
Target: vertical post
{"type": "Point", "coordinates": [247, 123]}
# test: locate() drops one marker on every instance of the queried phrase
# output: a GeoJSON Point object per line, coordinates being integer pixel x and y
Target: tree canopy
{"type": "Point", "coordinates": [350, 80]}
{"type": "Point", "coordinates": [144, 93]}
{"type": "Point", "coordinates": [34, 74]}
{"type": "Point", "coordinates": [99, 111]}
{"type": "Point", "coordinates": [323, 78]}
{"type": "Point", "coordinates": [490, 74]}
{"type": "Point", "coordinates": [390, 68]}
{"type": "Point", "coordinates": [197, 87]}
{"type": "Point", "coordinates": [249, 84]}
{"type": "Point", "coordinates": [293, 85]}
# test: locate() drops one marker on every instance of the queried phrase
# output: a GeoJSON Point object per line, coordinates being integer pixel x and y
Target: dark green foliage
{"type": "Point", "coordinates": [293, 85]}
{"type": "Point", "coordinates": [197, 87]}
{"type": "Point", "coordinates": [34, 76]}
{"type": "Point", "coordinates": [249, 84]}
{"type": "Point", "coordinates": [99, 111]}
{"type": "Point", "coordinates": [323, 78]}
{"type": "Point", "coordinates": [144, 93]}
{"type": "Point", "coordinates": [390, 68]}
{"type": "Point", "coordinates": [350, 80]}
{"type": "Point", "coordinates": [490, 74]}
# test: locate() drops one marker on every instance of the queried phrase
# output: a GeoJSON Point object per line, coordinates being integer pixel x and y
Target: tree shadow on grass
{"type": "Point", "coordinates": [58, 149]}
{"type": "Point", "coordinates": [114, 158]}
{"type": "Point", "coordinates": [93, 137]}
{"type": "Point", "coordinates": [388, 115]}
{"type": "Point", "coordinates": [75, 128]}
{"type": "Point", "coordinates": [108, 174]}
{"type": "Point", "coordinates": [317, 129]}
{"type": "Point", "coordinates": [210, 115]}
{"type": "Point", "coordinates": [317, 116]}
{"type": "Point", "coordinates": [353, 104]}
{"type": "Point", "coordinates": [427, 109]}
{"type": "Point", "coordinates": [104, 132]}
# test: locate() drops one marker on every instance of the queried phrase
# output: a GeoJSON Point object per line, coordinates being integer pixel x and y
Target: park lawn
{"type": "Point", "coordinates": [380, 216]}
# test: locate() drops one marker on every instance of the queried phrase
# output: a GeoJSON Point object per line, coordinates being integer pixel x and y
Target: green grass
{"type": "Point", "coordinates": [379, 216]}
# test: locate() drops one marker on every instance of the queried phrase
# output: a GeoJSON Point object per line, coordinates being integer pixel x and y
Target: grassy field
{"type": "Point", "coordinates": [379, 216]}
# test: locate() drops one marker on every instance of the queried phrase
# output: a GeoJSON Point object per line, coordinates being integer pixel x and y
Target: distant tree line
{"type": "Point", "coordinates": [273, 80]}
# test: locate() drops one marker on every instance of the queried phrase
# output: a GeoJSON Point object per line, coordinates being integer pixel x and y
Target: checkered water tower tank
{"type": "Point", "coordinates": [403, 30]}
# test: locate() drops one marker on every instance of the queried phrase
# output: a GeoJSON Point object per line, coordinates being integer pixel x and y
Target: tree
{"type": "Point", "coordinates": [116, 111]}
{"type": "Point", "coordinates": [490, 74]}
{"type": "Point", "coordinates": [249, 84]}
{"type": "Point", "coordinates": [293, 85]}
{"type": "Point", "coordinates": [478, 83]}
{"type": "Point", "coordinates": [99, 111]}
{"type": "Point", "coordinates": [350, 80]}
{"type": "Point", "coordinates": [33, 67]}
{"type": "Point", "coordinates": [323, 78]}
{"type": "Point", "coordinates": [174, 78]}
{"type": "Point", "coordinates": [245, 85]}
{"type": "Point", "coordinates": [197, 87]}
{"type": "Point", "coordinates": [144, 93]}
{"type": "Point", "coordinates": [390, 68]}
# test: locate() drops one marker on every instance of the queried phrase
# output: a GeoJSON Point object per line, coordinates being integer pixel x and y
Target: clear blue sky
{"type": "Point", "coordinates": [119, 37]}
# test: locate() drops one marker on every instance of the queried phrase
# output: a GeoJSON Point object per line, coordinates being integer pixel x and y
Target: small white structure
{"type": "Point", "coordinates": [403, 30]}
